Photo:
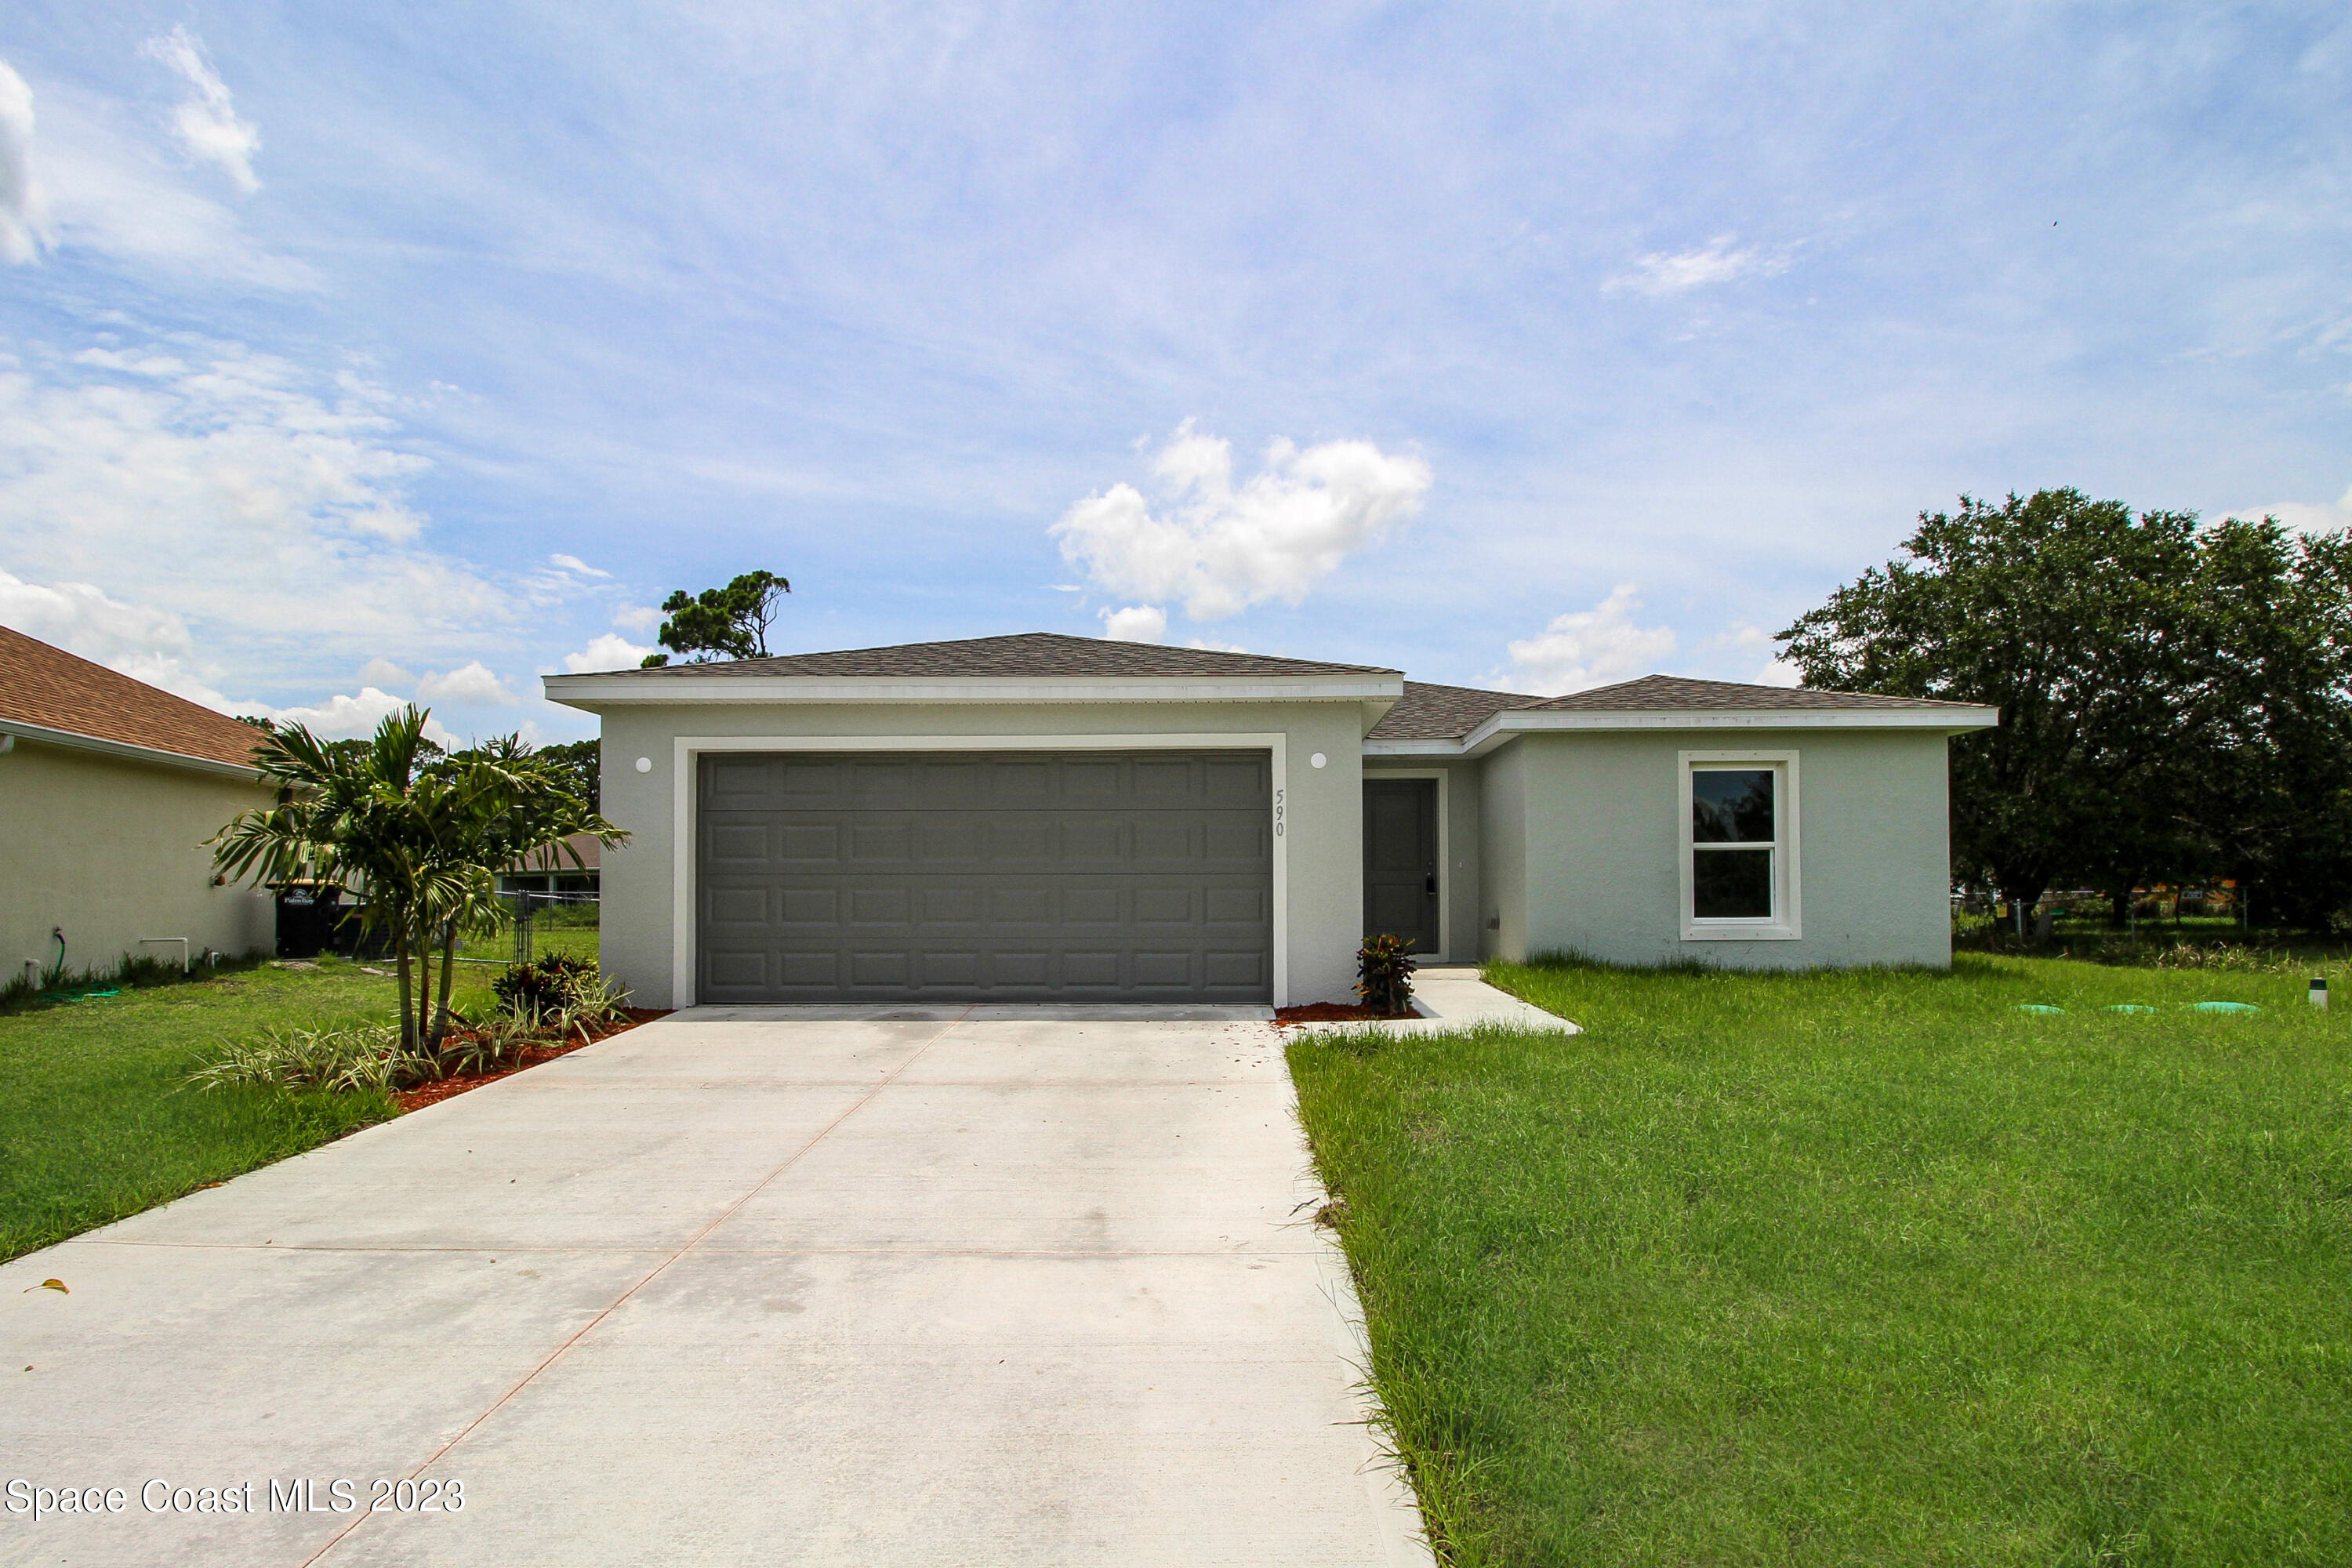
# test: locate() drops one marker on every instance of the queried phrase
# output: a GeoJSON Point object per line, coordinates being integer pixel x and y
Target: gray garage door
{"type": "Point", "coordinates": [1015, 876]}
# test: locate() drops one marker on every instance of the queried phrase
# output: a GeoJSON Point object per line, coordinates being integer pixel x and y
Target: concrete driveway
{"type": "Point", "coordinates": [958, 1287]}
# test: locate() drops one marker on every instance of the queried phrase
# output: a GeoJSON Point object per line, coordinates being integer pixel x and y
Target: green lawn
{"type": "Point", "coordinates": [1862, 1267]}
{"type": "Point", "coordinates": [95, 1123]}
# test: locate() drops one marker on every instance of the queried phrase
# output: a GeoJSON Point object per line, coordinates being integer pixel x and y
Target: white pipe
{"type": "Point", "coordinates": [183, 947]}
{"type": "Point", "coordinates": [8, 744]}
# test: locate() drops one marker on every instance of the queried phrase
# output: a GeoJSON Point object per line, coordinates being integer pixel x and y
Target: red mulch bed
{"type": "Point", "coordinates": [428, 1094]}
{"type": "Point", "coordinates": [1333, 1013]}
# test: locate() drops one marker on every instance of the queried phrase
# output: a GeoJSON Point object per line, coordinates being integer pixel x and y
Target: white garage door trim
{"type": "Point", "coordinates": [689, 748]}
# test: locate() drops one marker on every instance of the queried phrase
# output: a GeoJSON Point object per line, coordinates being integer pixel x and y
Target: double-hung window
{"type": "Point", "coordinates": [1739, 847]}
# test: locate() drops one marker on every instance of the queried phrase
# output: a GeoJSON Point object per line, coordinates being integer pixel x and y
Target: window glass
{"type": "Point", "coordinates": [1731, 805]}
{"type": "Point", "coordinates": [1732, 885]}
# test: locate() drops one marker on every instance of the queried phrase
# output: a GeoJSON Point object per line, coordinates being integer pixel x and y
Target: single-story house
{"type": "Point", "coordinates": [111, 789]}
{"type": "Point", "coordinates": [1055, 818]}
{"type": "Point", "coordinates": [573, 870]}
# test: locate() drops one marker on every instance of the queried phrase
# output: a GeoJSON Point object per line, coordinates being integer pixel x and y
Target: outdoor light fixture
{"type": "Point", "coordinates": [645, 765]}
{"type": "Point", "coordinates": [1318, 760]}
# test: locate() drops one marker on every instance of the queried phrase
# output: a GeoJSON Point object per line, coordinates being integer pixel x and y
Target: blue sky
{"type": "Point", "coordinates": [349, 353]}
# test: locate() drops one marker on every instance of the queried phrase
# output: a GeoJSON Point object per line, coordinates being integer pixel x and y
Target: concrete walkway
{"type": "Point", "coordinates": [956, 1288]}
{"type": "Point", "coordinates": [1450, 999]}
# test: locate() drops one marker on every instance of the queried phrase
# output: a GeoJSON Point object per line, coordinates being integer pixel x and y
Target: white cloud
{"type": "Point", "coordinates": [110, 189]}
{"type": "Point", "coordinates": [24, 215]}
{"type": "Point", "coordinates": [2305, 517]}
{"type": "Point", "coordinates": [1221, 549]}
{"type": "Point", "coordinates": [637, 618]}
{"type": "Point", "coordinates": [1658, 274]}
{"type": "Point", "coordinates": [207, 124]}
{"type": "Point", "coordinates": [577, 567]}
{"type": "Point", "coordinates": [267, 509]}
{"type": "Point", "coordinates": [342, 718]}
{"type": "Point", "coordinates": [384, 672]}
{"type": "Point", "coordinates": [1136, 623]}
{"type": "Point", "coordinates": [472, 681]}
{"type": "Point", "coordinates": [608, 650]}
{"type": "Point", "coordinates": [1753, 641]}
{"type": "Point", "coordinates": [1585, 648]}
{"type": "Point", "coordinates": [83, 619]}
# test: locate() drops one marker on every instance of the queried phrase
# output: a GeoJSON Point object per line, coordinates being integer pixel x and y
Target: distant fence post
{"type": "Point", "coordinates": [523, 926]}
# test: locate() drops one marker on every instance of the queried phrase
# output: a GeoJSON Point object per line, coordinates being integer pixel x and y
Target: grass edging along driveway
{"type": "Point", "coordinates": [1862, 1266]}
{"type": "Point", "coordinates": [98, 1121]}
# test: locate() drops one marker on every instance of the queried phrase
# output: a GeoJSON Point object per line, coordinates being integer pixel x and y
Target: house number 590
{"type": "Point", "coordinates": [1277, 813]}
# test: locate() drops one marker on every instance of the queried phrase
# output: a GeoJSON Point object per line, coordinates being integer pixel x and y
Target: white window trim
{"type": "Point", "coordinates": [1788, 922]}
{"type": "Point", "coordinates": [685, 804]}
{"type": "Point", "coordinates": [1444, 777]}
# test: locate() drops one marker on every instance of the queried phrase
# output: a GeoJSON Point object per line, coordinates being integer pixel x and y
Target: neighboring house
{"type": "Point", "coordinates": [108, 790]}
{"type": "Point", "coordinates": [1043, 817]}
{"type": "Point", "coordinates": [572, 870]}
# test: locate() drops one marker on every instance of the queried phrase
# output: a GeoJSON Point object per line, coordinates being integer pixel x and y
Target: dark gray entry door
{"type": "Point", "coordinates": [1401, 860]}
{"type": "Point", "coordinates": [998, 876]}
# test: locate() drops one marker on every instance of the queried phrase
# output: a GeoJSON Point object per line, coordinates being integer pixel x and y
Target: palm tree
{"type": "Point", "coordinates": [424, 835]}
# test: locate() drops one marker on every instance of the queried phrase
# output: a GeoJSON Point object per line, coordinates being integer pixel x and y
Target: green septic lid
{"type": "Point", "coordinates": [2223, 1007]}
{"type": "Point", "coordinates": [2130, 1008]}
{"type": "Point", "coordinates": [2044, 1008]}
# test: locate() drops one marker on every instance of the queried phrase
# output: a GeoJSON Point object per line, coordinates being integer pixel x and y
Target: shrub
{"type": "Point", "coordinates": [545, 986]}
{"type": "Point", "coordinates": [368, 1059]}
{"type": "Point", "coordinates": [1384, 974]}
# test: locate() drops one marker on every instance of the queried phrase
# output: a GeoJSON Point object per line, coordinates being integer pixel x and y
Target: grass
{"type": "Point", "coordinates": [98, 1122]}
{"type": "Point", "coordinates": [1860, 1268]}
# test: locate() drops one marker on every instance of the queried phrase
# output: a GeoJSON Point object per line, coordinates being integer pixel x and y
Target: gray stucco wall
{"type": "Point", "coordinates": [1464, 871]}
{"type": "Point", "coordinates": [1598, 814]}
{"type": "Point", "coordinates": [1503, 843]}
{"type": "Point", "coordinates": [110, 851]}
{"type": "Point", "coordinates": [1322, 810]}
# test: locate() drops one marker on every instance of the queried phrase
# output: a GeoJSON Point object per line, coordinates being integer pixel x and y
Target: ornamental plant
{"type": "Point", "coordinates": [1384, 974]}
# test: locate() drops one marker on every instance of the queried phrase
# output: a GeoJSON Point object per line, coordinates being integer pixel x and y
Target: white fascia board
{"type": "Point", "coordinates": [125, 749]}
{"type": "Point", "coordinates": [594, 692]}
{"type": "Point", "coordinates": [1414, 748]}
{"type": "Point", "coordinates": [1505, 725]}
{"type": "Point", "coordinates": [1511, 723]}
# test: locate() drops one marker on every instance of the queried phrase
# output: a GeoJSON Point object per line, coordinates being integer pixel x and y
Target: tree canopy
{"type": "Point", "coordinates": [2175, 696]}
{"type": "Point", "coordinates": [421, 833]}
{"type": "Point", "coordinates": [720, 623]}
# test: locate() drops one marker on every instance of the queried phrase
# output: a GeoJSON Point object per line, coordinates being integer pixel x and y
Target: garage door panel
{"type": "Point", "coordinates": [978, 876]}
{"type": "Point", "coordinates": [737, 907]}
{"type": "Point", "coordinates": [1235, 906]}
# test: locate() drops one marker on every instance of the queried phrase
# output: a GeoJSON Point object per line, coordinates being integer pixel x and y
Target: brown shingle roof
{"type": "Point", "coordinates": [1428, 713]}
{"type": "Point", "coordinates": [548, 857]}
{"type": "Point", "coordinates": [49, 687]}
{"type": "Point", "coordinates": [1027, 654]}
{"type": "Point", "coordinates": [1674, 693]}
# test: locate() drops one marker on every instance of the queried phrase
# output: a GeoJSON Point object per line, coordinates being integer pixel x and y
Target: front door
{"type": "Point", "coordinates": [1401, 860]}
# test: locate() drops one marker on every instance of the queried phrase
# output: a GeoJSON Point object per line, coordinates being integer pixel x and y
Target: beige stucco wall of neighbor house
{"type": "Point", "coordinates": [1322, 808]}
{"type": "Point", "coordinates": [1464, 871]}
{"type": "Point", "coordinates": [111, 850]}
{"type": "Point", "coordinates": [1599, 815]}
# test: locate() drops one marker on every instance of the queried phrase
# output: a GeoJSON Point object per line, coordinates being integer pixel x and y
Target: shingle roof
{"type": "Point", "coordinates": [1674, 693]}
{"type": "Point", "coordinates": [1027, 654]}
{"type": "Point", "coordinates": [1428, 713]}
{"type": "Point", "coordinates": [49, 687]}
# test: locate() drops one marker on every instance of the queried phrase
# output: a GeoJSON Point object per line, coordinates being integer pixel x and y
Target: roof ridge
{"type": "Point", "coordinates": [1752, 696]}
{"type": "Point", "coordinates": [1010, 655]}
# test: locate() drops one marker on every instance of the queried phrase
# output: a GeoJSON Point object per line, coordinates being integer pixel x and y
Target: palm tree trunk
{"type": "Point", "coordinates": [448, 967]}
{"type": "Point", "coordinates": [400, 961]}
